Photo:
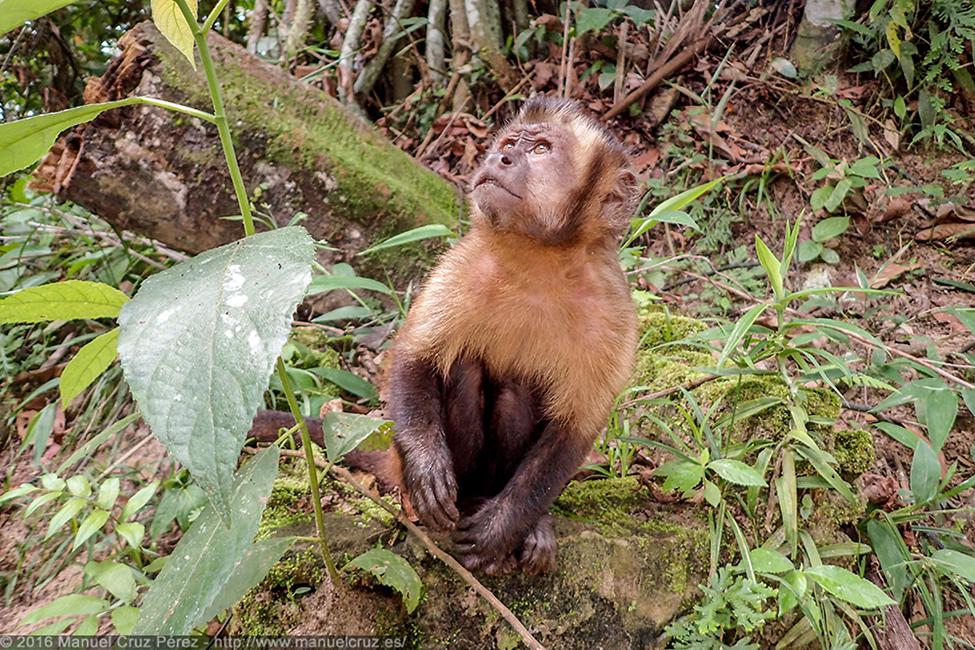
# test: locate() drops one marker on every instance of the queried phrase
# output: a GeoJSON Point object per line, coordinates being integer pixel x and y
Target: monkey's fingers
{"type": "Point", "coordinates": [537, 554]}
{"type": "Point", "coordinates": [435, 499]}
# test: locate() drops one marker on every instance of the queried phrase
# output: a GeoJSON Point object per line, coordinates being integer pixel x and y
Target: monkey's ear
{"type": "Point", "coordinates": [621, 202]}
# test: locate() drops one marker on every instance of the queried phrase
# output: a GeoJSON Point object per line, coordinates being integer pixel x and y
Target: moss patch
{"type": "Point", "coordinates": [854, 451]}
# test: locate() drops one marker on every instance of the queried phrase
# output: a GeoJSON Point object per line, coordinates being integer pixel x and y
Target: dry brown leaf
{"type": "Point", "coordinates": [947, 231]}
{"type": "Point", "coordinates": [890, 273]}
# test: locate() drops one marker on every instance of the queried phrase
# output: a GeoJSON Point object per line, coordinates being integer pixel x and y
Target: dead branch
{"type": "Point", "coordinates": [392, 32]}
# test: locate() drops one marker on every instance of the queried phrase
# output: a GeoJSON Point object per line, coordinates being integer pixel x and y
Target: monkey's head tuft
{"type": "Point", "coordinates": [556, 175]}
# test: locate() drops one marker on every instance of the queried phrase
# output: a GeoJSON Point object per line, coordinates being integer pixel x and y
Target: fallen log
{"type": "Point", "coordinates": [162, 174]}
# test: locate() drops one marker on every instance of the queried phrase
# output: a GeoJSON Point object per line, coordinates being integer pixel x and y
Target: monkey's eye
{"type": "Point", "coordinates": [507, 146]}
{"type": "Point", "coordinates": [541, 148]}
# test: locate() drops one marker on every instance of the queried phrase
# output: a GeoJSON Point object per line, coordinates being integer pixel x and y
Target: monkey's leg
{"type": "Point", "coordinates": [506, 520]}
{"type": "Point", "coordinates": [416, 406]}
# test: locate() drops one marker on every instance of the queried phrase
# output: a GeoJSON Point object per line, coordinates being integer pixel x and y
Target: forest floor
{"type": "Point", "coordinates": [768, 140]}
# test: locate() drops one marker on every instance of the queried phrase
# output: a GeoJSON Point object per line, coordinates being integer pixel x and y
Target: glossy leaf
{"type": "Point", "coordinates": [107, 493]}
{"type": "Point", "coordinates": [91, 525]}
{"type": "Point", "coordinates": [393, 571]}
{"type": "Point", "coordinates": [132, 532]}
{"type": "Point", "coordinates": [61, 301]}
{"type": "Point", "coordinates": [72, 507]}
{"type": "Point", "coordinates": [199, 341]}
{"type": "Point", "coordinates": [736, 472]}
{"type": "Point", "coordinates": [87, 365]}
{"type": "Point", "coordinates": [830, 228]}
{"type": "Point", "coordinates": [848, 586]}
{"type": "Point", "coordinates": [138, 500]}
{"type": "Point", "coordinates": [208, 554]}
{"type": "Point", "coordinates": [768, 561]}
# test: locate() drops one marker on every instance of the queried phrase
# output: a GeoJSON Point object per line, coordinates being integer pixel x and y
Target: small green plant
{"type": "Point", "coordinates": [732, 606]}
{"type": "Point", "coordinates": [841, 180]}
{"type": "Point", "coordinates": [921, 50]}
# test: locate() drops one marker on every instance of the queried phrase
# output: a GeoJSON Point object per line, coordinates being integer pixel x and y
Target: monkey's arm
{"type": "Point", "coordinates": [492, 533]}
{"type": "Point", "coordinates": [428, 470]}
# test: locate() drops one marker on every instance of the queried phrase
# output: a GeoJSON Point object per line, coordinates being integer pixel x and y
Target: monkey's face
{"type": "Point", "coordinates": [523, 181]}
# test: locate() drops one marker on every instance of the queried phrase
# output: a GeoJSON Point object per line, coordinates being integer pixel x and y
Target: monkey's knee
{"type": "Point", "coordinates": [537, 552]}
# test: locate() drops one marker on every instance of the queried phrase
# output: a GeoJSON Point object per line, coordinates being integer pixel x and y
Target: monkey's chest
{"type": "Point", "coordinates": [533, 333]}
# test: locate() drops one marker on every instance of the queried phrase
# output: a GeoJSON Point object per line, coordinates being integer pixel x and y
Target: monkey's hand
{"type": "Point", "coordinates": [486, 540]}
{"type": "Point", "coordinates": [432, 486]}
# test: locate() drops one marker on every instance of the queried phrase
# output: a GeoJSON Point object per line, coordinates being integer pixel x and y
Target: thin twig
{"type": "Point", "coordinates": [667, 392]}
{"type": "Point", "coordinates": [346, 476]}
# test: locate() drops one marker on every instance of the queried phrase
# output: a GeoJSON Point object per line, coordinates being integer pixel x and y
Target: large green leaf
{"type": "Point", "coordinates": [393, 571]}
{"type": "Point", "coordinates": [940, 408]}
{"type": "Point", "coordinates": [250, 569]}
{"type": "Point", "coordinates": [960, 564]}
{"type": "Point", "coordinates": [848, 586]}
{"type": "Point", "coordinates": [25, 141]}
{"type": "Point", "coordinates": [892, 553]}
{"type": "Point", "coordinates": [925, 473]}
{"type": "Point", "coordinates": [347, 431]}
{"type": "Point", "coordinates": [199, 341]}
{"type": "Point", "coordinates": [90, 362]}
{"type": "Point", "coordinates": [172, 24]}
{"type": "Point", "coordinates": [207, 556]}
{"type": "Point", "coordinates": [14, 13]}
{"type": "Point", "coordinates": [737, 472]}
{"type": "Point", "coordinates": [62, 301]}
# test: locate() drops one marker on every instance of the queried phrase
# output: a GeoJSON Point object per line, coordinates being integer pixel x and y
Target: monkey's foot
{"type": "Point", "coordinates": [486, 543]}
{"type": "Point", "coordinates": [537, 553]}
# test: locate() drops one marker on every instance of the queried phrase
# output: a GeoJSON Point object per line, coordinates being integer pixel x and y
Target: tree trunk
{"type": "Point", "coordinates": [163, 174]}
{"type": "Point", "coordinates": [817, 44]}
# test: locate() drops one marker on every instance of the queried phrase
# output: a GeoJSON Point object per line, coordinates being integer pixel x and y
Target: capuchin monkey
{"type": "Point", "coordinates": [511, 356]}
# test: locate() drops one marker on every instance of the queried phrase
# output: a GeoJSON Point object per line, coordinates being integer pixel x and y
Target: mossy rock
{"type": "Point", "coordinates": [626, 568]}
{"type": "Point", "coordinates": [854, 451]}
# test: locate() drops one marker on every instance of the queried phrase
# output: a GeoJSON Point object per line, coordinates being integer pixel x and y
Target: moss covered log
{"type": "Point", "coordinates": [163, 175]}
{"type": "Point", "coordinates": [627, 566]}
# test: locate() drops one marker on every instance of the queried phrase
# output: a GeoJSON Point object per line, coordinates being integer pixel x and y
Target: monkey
{"type": "Point", "coordinates": [512, 354]}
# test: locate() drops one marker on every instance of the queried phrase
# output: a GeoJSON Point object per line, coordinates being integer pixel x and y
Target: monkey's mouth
{"type": "Point", "coordinates": [490, 180]}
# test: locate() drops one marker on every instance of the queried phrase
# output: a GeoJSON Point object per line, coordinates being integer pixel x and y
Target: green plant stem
{"type": "Point", "coordinates": [212, 18]}
{"type": "Point", "coordinates": [179, 108]}
{"type": "Point", "coordinates": [220, 117]}
{"type": "Point", "coordinates": [316, 498]}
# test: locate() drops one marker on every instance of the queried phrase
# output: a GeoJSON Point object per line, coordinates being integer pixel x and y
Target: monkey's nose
{"type": "Point", "coordinates": [506, 160]}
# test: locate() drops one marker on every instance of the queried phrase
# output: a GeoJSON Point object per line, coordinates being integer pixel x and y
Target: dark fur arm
{"type": "Point", "coordinates": [416, 408]}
